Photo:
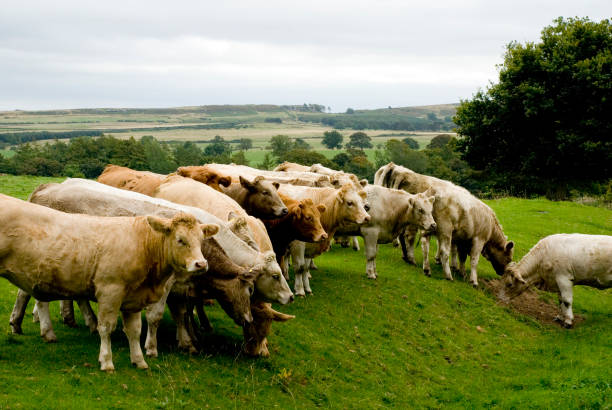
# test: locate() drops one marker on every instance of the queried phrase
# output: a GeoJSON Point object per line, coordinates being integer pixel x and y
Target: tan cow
{"type": "Point", "coordinates": [144, 182]}
{"type": "Point", "coordinates": [559, 262]}
{"type": "Point", "coordinates": [342, 206]}
{"type": "Point", "coordinates": [256, 195]}
{"type": "Point", "coordinates": [294, 178]}
{"type": "Point", "coordinates": [462, 220]}
{"type": "Point", "coordinates": [121, 262]}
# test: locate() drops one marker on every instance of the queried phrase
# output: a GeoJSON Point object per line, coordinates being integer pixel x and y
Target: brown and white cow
{"type": "Point", "coordinates": [342, 206]}
{"type": "Point", "coordinates": [303, 223]}
{"type": "Point", "coordinates": [294, 178]}
{"type": "Point", "coordinates": [559, 262]}
{"type": "Point", "coordinates": [463, 222]}
{"type": "Point", "coordinates": [391, 211]}
{"type": "Point", "coordinates": [257, 196]}
{"type": "Point", "coordinates": [234, 266]}
{"type": "Point", "coordinates": [122, 262]}
{"type": "Point", "coordinates": [255, 333]}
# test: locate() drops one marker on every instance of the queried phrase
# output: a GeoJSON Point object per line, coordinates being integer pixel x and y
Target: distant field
{"type": "Point", "coordinates": [403, 341]}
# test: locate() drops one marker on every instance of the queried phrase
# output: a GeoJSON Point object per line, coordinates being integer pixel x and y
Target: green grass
{"type": "Point", "coordinates": [401, 341]}
{"type": "Point", "coordinates": [7, 153]}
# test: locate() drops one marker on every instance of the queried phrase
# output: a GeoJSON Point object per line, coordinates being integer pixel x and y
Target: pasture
{"type": "Point", "coordinates": [402, 341]}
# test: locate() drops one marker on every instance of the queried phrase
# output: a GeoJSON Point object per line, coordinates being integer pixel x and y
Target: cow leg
{"type": "Point", "coordinates": [132, 326]}
{"type": "Point", "coordinates": [284, 265]}
{"type": "Point", "coordinates": [46, 327]}
{"type": "Point", "coordinates": [565, 301]}
{"type": "Point", "coordinates": [178, 310]}
{"type": "Point", "coordinates": [19, 311]}
{"type": "Point", "coordinates": [312, 266]}
{"type": "Point", "coordinates": [370, 240]}
{"type": "Point", "coordinates": [409, 236]}
{"type": "Point", "coordinates": [299, 268]}
{"type": "Point", "coordinates": [91, 321]}
{"type": "Point", "coordinates": [35, 318]}
{"type": "Point", "coordinates": [462, 258]}
{"type": "Point", "coordinates": [425, 242]}
{"type": "Point", "coordinates": [108, 309]}
{"type": "Point", "coordinates": [474, 256]}
{"type": "Point", "coordinates": [190, 324]}
{"type": "Point", "coordinates": [444, 245]}
{"type": "Point", "coordinates": [154, 314]}
{"type": "Point", "coordinates": [205, 325]}
{"type": "Point", "coordinates": [67, 312]}
{"type": "Point", "coordinates": [453, 257]}
{"type": "Point", "coordinates": [306, 276]}
{"type": "Point", "coordinates": [354, 243]}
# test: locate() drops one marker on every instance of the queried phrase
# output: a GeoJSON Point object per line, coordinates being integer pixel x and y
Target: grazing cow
{"type": "Point", "coordinates": [230, 258]}
{"type": "Point", "coordinates": [303, 223]}
{"type": "Point", "coordinates": [294, 178]}
{"type": "Point", "coordinates": [255, 333]}
{"type": "Point", "coordinates": [122, 262]}
{"type": "Point", "coordinates": [463, 222]}
{"type": "Point", "coordinates": [256, 195]}
{"type": "Point", "coordinates": [291, 167]}
{"type": "Point", "coordinates": [557, 263]}
{"type": "Point", "coordinates": [342, 206]}
{"type": "Point", "coordinates": [391, 211]}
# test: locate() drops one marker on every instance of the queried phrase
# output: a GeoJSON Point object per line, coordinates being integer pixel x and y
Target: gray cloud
{"type": "Point", "coordinates": [362, 54]}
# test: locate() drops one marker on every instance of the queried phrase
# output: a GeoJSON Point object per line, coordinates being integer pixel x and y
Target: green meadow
{"type": "Point", "coordinates": [403, 340]}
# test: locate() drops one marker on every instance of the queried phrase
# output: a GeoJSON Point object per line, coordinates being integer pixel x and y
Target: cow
{"type": "Point", "coordinates": [342, 206]}
{"type": "Point", "coordinates": [255, 334]}
{"type": "Point", "coordinates": [559, 262]}
{"type": "Point", "coordinates": [291, 167]}
{"type": "Point", "coordinates": [122, 262]}
{"type": "Point", "coordinates": [257, 196]}
{"type": "Point", "coordinates": [390, 210]}
{"type": "Point", "coordinates": [463, 222]}
{"type": "Point", "coordinates": [303, 223]}
{"type": "Point", "coordinates": [235, 262]}
{"type": "Point", "coordinates": [144, 182]}
{"type": "Point", "coordinates": [295, 178]}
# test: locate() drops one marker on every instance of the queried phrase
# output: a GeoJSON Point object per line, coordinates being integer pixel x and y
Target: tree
{"type": "Point", "coordinates": [280, 145]}
{"type": "Point", "coordinates": [411, 142]}
{"type": "Point", "coordinates": [332, 139]}
{"type": "Point", "coordinates": [439, 141]}
{"type": "Point", "coordinates": [350, 111]}
{"type": "Point", "coordinates": [267, 162]}
{"type": "Point", "coordinates": [546, 124]}
{"type": "Point", "coordinates": [239, 158]}
{"type": "Point", "coordinates": [299, 143]}
{"type": "Point", "coordinates": [307, 157]}
{"type": "Point", "coordinates": [218, 147]}
{"type": "Point", "coordinates": [245, 144]}
{"type": "Point", "coordinates": [187, 153]}
{"type": "Point", "coordinates": [359, 140]}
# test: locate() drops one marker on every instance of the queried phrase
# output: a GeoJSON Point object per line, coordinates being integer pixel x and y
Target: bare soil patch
{"type": "Point", "coordinates": [532, 303]}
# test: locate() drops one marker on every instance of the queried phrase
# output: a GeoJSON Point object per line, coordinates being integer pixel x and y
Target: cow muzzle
{"type": "Point", "coordinates": [197, 266]}
{"type": "Point", "coordinates": [432, 228]}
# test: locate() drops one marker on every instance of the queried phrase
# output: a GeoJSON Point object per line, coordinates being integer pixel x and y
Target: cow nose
{"type": "Point", "coordinates": [285, 211]}
{"type": "Point", "coordinates": [367, 218]}
{"type": "Point", "coordinates": [291, 298]}
{"type": "Point", "coordinates": [324, 237]}
{"type": "Point", "coordinates": [201, 265]}
{"type": "Point", "coordinates": [434, 226]}
{"type": "Point", "coordinates": [366, 207]}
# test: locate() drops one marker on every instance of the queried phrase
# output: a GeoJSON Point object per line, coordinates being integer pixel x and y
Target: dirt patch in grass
{"type": "Point", "coordinates": [533, 303]}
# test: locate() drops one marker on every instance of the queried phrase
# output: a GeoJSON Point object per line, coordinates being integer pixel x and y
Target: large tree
{"type": "Point", "coordinates": [332, 139]}
{"type": "Point", "coordinates": [547, 123]}
{"type": "Point", "coordinates": [359, 140]}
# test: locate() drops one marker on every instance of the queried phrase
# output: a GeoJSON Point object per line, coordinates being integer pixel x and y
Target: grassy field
{"type": "Point", "coordinates": [401, 341]}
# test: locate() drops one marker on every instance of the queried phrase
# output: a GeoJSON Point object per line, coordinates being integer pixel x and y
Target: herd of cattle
{"type": "Point", "coordinates": [137, 240]}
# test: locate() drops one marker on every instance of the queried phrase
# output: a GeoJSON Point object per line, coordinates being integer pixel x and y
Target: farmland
{"type": "Point", "coordinates": [402, 341]}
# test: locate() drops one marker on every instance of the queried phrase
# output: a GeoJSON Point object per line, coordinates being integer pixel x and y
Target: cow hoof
{"type": "Point", "coordinates": [475, 285]}
{"type": "Point", "coordinates": [70, 322]}
{"type": "Point", "coordinates": [108, 368]}
{"type": "Point", "coordinates": [370, 276]}
{"type": "Point", "coordinates": [427, 272]}
{"type": "Point", "coordinates": [437, 261]}
{"type": "Point", "coordinates": [141, 365]}
{"type": "Point", "coordinates": [309, 292]}
{"type": "Point", "coordinates": [151, 353]}
{"type": "Point", "coordinates": [49, 337]}
{"type": "Point", "coordinates": [408, 260]}
{"type": "Point", "coordinates": [450, 279]}
{"type": "Point", "coordinates": [16, 329]}
{"type": "Point", "coordinates": [300, 294]}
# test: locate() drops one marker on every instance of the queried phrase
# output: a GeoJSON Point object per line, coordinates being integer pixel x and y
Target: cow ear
{"type": "Point", "coordinates": [231, 216]}
{"type": "Point", "coordinates": [258, 178]}
{"type": "Point", "coordinates": [225, 181]}
{"type": "Point", "coordinates": [335, 182]}
{"type": "Point", "coordinates": [363, 194]}
{"type": "Point", "coordinates": [276, 185]}
{"type": "Point", "coordinates": [246, 183]}
{"type": "Point", "coordinates": [363, 182]}
{"type": "Point", "coordinates": [159, 224]}
{"type": "Point", "coordinates": [209, 229]}
{"type": "Point", "coordinates": [321, 208]}
{"type": "Point", "coordinates": [509, 246]}
{"type": "Point", "coordinates": [432, 199]}
{"type": "Point", "coordinates": [181, 171]}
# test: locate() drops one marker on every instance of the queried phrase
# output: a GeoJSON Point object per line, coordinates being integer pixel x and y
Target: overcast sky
{"type": "Point", "coordinates": [360, 54]}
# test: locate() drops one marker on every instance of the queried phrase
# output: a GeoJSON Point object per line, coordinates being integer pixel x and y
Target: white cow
{"type": "Point", "coordinates": [557, 263]}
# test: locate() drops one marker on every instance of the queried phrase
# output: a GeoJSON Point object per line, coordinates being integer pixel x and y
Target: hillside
{"type": "Point", "coordinates": [403, 340]}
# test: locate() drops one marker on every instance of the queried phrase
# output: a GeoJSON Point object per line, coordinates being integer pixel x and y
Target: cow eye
{"type": "Point", "coordinates": [309, 218]}
{"type": "Point", "coordinates": [266, 193]}
{"type": "Point", "coordinates": [276, 277]}
{"type": "Point", "coordinates": [251, 290]}
{"type": "Point", "coordinates": [181, 242]}
{"type": "Point", "coordinates": [350, 203]}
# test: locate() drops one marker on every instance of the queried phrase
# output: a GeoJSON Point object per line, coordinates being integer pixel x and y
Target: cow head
{"type": "Point", "coordinates": [182, 243]}
{"type": "Point", "coordinates": [421, 207]}
{"type": "Point", "coordinates": [351, 205]}
{"type": "Point", "coordinates": [255, 333]}
{"type": "Point", "coordinates": [234, 296]}
{"type": "Point", "coordinates": [513, 283]}
{"type": "Point", "coordinates": [306, 220]}
{"type": "Point", "coordinates": [270, 284]}
{"type": "Point", "coordinates": [500, 255]}
{"type": "Point", "coordinates": [240, 227]}
{"type": "Point", "coordinates": [205, 176]}
{"type": "Point", "coordinates": [262, 200]}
